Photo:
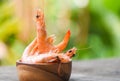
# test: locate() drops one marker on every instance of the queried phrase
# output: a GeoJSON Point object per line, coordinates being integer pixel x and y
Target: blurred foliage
{"type": "Point", "coordinates": [104, 28]}
{"type": "Point", "coordinates": [9, 29]}
{"type": "Point", "coordinates": [100, 19]}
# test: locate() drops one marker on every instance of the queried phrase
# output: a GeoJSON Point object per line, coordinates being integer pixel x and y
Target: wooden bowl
{"type": "Point", "coordinates": [44, 71]}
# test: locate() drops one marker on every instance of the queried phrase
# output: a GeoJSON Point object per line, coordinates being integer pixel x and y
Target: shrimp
{"type": "Point", "coordinates": [46, 44]}
{"type": "Point", "coordinates": [42, 58]}
{"type": "Point", "coordinates": [46, 58]}
{"type": "Point", "coordinates": [50, 57]}
{"type": "Point", "coordinates": [71, 53]}
{"type": "Point", "coordinates": [40, 23]}
{"type": "Point", "coordinates": [41, 33]}
{"type": "Point", "coordinates": [42, 50]}
{"type": "Point", "coordinates": [66, 57]}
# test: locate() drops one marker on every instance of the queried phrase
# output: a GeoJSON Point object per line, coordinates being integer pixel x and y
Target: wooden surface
{"type": "Point", "coordinates": [93, 70]}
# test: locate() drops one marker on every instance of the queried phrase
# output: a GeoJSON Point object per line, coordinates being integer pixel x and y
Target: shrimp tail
{"type": "Point", "coordinates": [61, 46]}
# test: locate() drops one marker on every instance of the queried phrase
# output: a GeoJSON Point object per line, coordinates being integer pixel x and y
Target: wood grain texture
{"type": "Point", "coordinates": [44, 71]}
{"type": "Point", "coordinates": [93, 70]}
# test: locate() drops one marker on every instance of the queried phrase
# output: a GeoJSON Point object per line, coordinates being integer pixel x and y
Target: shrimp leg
{"type": "Point", "coordinates": [34, 50]}
{"type": "Point", "coordinates": [51, 39]}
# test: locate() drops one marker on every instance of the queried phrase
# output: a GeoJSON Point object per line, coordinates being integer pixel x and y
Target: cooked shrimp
{"type": "Point", "coordinates": [46, 44]}
{"type": "Point", "coordinates": [41, 58]}
{"type": "Point", "coordinates": [41, 31]}
{"type": "Point", "coordinates": [40, 23]}
{"type": "Point", "coordinates": [66, 57]}
{"type": "Point", "coordinates": [45, 58]}
{"type": "Point", "coordinates": [71, 53]}
{"type": "Point", "coordinates": [42, 50]}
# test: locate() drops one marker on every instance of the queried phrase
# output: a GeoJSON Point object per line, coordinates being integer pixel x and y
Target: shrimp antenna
{"type": "Point", "coordinates": [84, 48]}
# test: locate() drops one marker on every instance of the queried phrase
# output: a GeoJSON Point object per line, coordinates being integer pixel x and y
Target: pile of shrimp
{"type": "Point", "coordinates": [42, 50]}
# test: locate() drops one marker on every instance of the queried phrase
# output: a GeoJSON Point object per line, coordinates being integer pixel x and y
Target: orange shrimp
{"type": "Point", "coordinates": [38, 51]}
{"type": "Point", "coordinates": [40, 23]}
{"type": "Point", "coordinates": [46, 44]}
{"type": "Point", "coordinates": [66, 57]}
{"type": "Point", "coordinates": [71, 53]}
{"type": "Point", "coordinates": [42, 58]}
{"type": "Point", "coordinates": [50, 57]}
{"type": "Point", "coordinates": [41, 32]}
{"type": "Point", "coordinates": [45, 58]}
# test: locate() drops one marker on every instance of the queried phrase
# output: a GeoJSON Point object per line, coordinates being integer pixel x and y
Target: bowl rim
{"type": "Point", "coordinates": [19, 62]}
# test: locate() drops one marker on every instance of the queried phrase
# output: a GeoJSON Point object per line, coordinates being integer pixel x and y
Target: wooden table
{"type": "Point", "coordinates": [93, 70]}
